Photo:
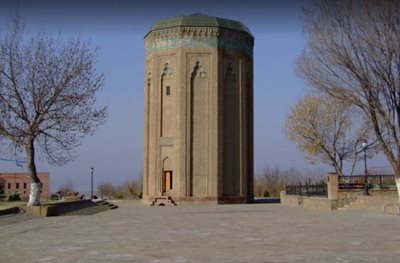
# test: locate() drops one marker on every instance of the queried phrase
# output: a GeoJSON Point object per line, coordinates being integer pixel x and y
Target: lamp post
{"type": "Point", "coordinates": [364, 145]}
{"type": "Point", "coordinates": [91, 182]}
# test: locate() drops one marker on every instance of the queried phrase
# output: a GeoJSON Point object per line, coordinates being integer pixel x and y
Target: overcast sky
{"type": "Point", "coordinates": [117, 28]}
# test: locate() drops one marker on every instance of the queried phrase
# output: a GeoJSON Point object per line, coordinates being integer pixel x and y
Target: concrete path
{"type": "Point", "coordinates": [204, 233]}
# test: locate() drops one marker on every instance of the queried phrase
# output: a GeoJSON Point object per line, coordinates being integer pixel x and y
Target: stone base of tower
{"type": "Point", "coordinates": [192, 200]}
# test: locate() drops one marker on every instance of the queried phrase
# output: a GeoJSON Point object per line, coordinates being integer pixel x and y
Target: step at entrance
{"type": "Point", "coordinates": [107, 204]}
{"type": "Point", "coordinates": [163, 201]}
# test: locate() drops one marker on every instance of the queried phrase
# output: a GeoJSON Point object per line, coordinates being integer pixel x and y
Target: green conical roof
{"type": "Point", "coordinates": [200, 20]}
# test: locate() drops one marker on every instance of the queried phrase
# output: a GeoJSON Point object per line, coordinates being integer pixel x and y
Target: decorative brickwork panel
{"type": "Point", "coordinates": [231, 132]}
{"type": "Point", "coordinates": [198, 128]}
{"type": "Point", "coordinates": [168, 95]}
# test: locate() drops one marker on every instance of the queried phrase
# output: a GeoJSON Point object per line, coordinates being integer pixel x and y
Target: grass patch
{"type": "Point", "coordinates": [13, 203]}
{"type": "Point", "coordinates": [9, 204]}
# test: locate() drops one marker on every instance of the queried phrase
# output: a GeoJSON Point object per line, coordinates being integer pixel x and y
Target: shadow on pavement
{"type": "Point", "coordinates": [268, 200]}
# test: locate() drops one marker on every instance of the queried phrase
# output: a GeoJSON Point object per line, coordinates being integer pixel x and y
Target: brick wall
{"type": "Point", "coordinates": [21, 183]}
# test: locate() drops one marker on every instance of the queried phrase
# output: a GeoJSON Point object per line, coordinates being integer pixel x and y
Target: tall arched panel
{"type": "Point", "coordinates": [231, 133]}
{"type": "Point", "coordinates": [167, 102]}
{"type": "Point", "coordinates": [198, 130]}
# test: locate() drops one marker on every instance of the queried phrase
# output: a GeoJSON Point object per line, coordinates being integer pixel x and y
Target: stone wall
{"type": "Point", "coordinates": [60, 208]}
{"type": "Point", "coordinates": [349, 196]}
{"type": "Point", "coordinates": [319, 203]}
{"type": "Point", "coordinates": [344, 197]}
{"type": "Point", "coordinates": [308, 202]}
{"type": "Point", "coordinates": [392, 209]}
{"type": "Point", "coordinates": [291, 200]}
{"type": "Point", "coordinates": [383, 192]}
{"type": "Point", "coordinates": [352, 194]}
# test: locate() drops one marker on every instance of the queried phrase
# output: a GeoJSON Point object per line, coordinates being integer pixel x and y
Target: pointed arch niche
{"type": "Point", "coordinates": [147, 135]}
{"type": "Point", "coordinates": [167, 102]}
{"type": "Point", "coordinates": [198, 123]}
{"type": "Point", "coordinates": [231, 132]}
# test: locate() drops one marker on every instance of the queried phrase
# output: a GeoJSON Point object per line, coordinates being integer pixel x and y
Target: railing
{"type": "Point", "coordinates": [345, 182]}
{"type": "Point", "coordinates": [373, 181]}
{"type": "Point", "coordinates": [307, 190]}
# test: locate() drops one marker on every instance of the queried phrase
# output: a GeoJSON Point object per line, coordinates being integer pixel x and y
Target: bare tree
{"type": "Point", "coordinates": [272, 180]}
{"type": "Point", "coordinates": [47, 97]}
{"type": "Point", "coordinates": [106, 189]}
{"type": "Point", "coordinates": [353, 54]}
{"type": "Point", "coordinates": [132, 187]}
{"type": "Point", "coordinates": [329, 131]}
{"type": "Point", "coordinates": [275, 180]}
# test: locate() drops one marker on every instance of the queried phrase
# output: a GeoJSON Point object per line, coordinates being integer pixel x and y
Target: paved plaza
{"type": "Point", "coordinates": [203, 233]}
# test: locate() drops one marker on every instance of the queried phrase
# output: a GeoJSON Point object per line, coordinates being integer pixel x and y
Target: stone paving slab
{"type": "Point", "coordinates": [204, 233]}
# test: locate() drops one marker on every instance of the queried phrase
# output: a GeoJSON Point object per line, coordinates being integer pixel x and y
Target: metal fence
{"type": "Point", "coordinates": [373, 181]}
{"type": "Point", "coordinates": [307, 190]}
{"type": "Point", "coordinates": [345, 182]}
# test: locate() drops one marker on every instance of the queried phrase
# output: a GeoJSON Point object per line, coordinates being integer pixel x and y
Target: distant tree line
{"type": "Point", "coordinates": [272, 180]}
{"type": "Point", "coordinates": [129, 189]}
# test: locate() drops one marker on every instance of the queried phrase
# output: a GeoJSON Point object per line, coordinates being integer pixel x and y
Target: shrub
{"type": "Point", "coordinates": [14, 197]}
{"type": "Point", "coordinates": [53, 197]}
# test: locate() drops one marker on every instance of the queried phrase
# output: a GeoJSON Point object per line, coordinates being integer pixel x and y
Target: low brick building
{"type": "Point", "coordinates": [21, 183]}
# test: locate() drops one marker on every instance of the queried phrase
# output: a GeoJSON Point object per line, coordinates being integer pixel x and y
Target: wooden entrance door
{"type": "Point", "coordinates": [167, 181]}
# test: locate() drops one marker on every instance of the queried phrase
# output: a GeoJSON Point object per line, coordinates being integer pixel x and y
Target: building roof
{"type": "Point", "coordinates": [200, 20]}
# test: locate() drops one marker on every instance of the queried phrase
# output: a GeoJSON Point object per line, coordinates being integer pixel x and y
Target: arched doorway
{"type": "Point", "coordinates": [167, 176]}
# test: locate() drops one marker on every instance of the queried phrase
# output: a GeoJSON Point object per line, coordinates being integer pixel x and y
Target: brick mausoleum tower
{"type": "Point", "coordinates": [198, 137]}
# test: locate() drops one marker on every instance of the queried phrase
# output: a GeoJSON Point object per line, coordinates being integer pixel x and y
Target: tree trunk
{"type": "Point", "coordinates": [34, 195]}
{"type": "Point", "coordinates": [398, 186]}
{"type": "Point", "coordinates": [396, 172]}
